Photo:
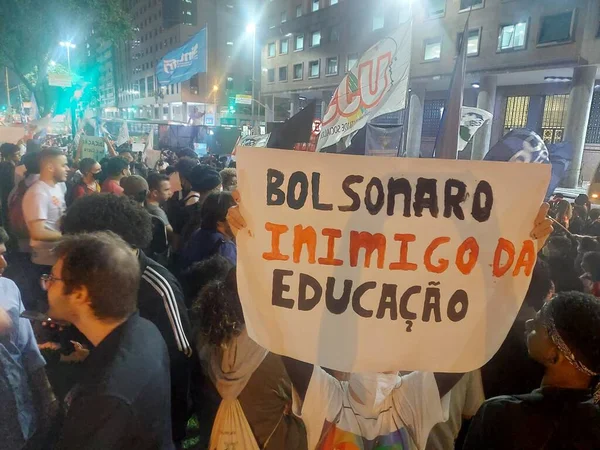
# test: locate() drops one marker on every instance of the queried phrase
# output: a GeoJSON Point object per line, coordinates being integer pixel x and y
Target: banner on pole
{"type": "Point", "coordinates": [184, 62]}
{"type": "Point", "coordinates": [93, 147]}
{"type": "Point", "coordinates": [472, 119]}
{"type": "Point", "coordinates": [242, 99]}
{"type": "Point", "coordinates": [376, 85]}
{"type": "Point", "coordinates": [370, 266]}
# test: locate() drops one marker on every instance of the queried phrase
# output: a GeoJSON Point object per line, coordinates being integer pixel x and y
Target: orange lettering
{"type": "Point", "coordinates": [469, 245]}
{"type": "Point", "coordinates": [306, 236]}
{"type": "Point", "coordinates": [276, 231]}
{"type": "Point", "coordinates": [526, 259]}
{"type": "Point", "coordinates": [370, 242]}
{"type": "Point", "coordinates": [403, 263]}
{"type": "Point", "coordinates": [442, 263]}
{"type": "Point", "coordinates": [332, 234]}
{"type": "Point", "coordinates": [503, 246]}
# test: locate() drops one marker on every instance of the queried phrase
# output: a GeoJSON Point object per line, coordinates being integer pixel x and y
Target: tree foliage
{"type": "Point", "coordinates": [33, 29]}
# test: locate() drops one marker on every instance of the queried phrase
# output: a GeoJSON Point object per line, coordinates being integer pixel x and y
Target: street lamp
{"type": "Point", "coordinates": [53, 63]}
{"type": "Point", "coordinates": [68, 46]}
{"type": "Point", "coordinates": [251, 28]}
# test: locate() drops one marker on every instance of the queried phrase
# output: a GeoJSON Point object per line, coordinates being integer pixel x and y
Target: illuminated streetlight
{"type": "Point", "coordinates": [69, 46]}
{"type": "Point", "coordinates": [53, 63]}
{"type": "Point", "coordinates": [215, 88]}
{"type": "Point", "coordinates": [251, 28]}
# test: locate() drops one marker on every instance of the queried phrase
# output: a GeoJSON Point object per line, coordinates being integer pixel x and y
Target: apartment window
{"type": "Point", "coordinates": [472, 42]}
{"type": "Point", "coordinates": [378, 19]}
{"type": "Point", "coordinates": [334, 34]}
{"type": "Point", "coordinates": [150, 81]}
{"type": "Point", "coordinates": [433, 49]}
{"type": "Point", "coordinates": [283, 16]}
{"type": "Point", "coordinates": [298, 11]}
{"type": "Point", "coordinates": [142, 84]}
{"type": "Point", "coordinates": [436, 8]}
{"type": "Point", "coordinates": [271, 50]}
{"type": "Point", "coordinates": [352, 61]}
{"type": "Point", "coordinates": [315, 39]}
{"type": "Point", "coordinates": [314, 69]}
{"type": "Point", "coordinates": [178, 88]}
{"type": "Point", "coordinates": [315, 5]}
{"type": "Point", "coordinates": [299, 43]}
{"type": "Point", "coordinates": [271, 75]}
{"type": "Point", "coordinates": [284, 46]}
{"type": "Point", "coordinates": [465, 5]}
{"type": "Point", "coordinates": [332, 66]}
{"type": "Point", "coordinates": [333, 2]}
{"type": "Point", "coordinates": [298, 71]}
{"type": "Point", "coordinates": [512, 37]}
{"type": "Point", "coordinates": [283, 73]}
{"type": "Point", "coordinates": [556, 29]}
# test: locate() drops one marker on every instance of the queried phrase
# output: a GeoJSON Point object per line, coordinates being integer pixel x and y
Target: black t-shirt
{"type": "Point", "coordinates": [545, 419]}
{"type": "Point", "coordinates": [123, 401]}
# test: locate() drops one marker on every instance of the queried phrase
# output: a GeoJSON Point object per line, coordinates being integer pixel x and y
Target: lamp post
{"type": "Point", "coordinates": [251, 28]}
{"type": "Point", "coordinates": [68, 46]}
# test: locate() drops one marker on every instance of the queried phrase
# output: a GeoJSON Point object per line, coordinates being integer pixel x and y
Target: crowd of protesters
{"type": "Point", "coordinates": [129, 274]}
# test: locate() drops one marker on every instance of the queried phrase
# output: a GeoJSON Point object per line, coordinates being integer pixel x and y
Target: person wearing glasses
{"type": "Point", "coordinates": [122, 400]}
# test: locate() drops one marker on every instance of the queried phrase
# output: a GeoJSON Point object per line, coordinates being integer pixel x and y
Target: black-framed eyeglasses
{"type": "Point", "coordinates": [46, 280]}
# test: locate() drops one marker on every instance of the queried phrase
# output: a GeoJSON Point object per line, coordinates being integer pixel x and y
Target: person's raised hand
{"type": "Point", "coordinates": [234, 216]}
{"type": "Point", "coordinates": [542, 226]}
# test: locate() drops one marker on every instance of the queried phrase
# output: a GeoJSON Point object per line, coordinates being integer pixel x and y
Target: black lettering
{"type": "Point", "coordinates": [279, 288]}
{"type": "Point", "coordinates": [452, 201]}
{"type": "Point", "coordinates": [399, 186]}
{"type": "Point", "coordinates": [461, 298]}
{"type": "Point", "coordinates": [426, 197]}
{"type": "Point", "coordinates": [297, 179]}
{"type": "Point", "coordinates": [307, 303]}
{"type": "Point", "coordinates": [404, 312]}
{"type": "Point", "coordinates": [482, 213]}
{"type": "Point", "coordinates": [275, 196]}
{"type": "Point", "coordinates": [388, 292]}
{"type": "Point", "coordinates": [358, 293]}
{"type": "Point", "coordinates": [374, 208]}
{"type": "Point", "coordinates": [432, 303]}
{"type": "Point", "coordinates": [337, 305]}
{"type": "Point", "coordinates": [348, 181]}
{"type": "Point", "coordinates": [316, 186]}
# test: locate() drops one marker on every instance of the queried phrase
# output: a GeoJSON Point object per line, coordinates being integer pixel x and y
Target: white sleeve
{"type": "Point", "coordinates": [474, 396]}
{"type": "Point", "coordinates": [418, 403]}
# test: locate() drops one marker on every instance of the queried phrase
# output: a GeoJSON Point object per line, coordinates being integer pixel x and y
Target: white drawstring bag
{"type": "Point", "coordinates": [231, 430]}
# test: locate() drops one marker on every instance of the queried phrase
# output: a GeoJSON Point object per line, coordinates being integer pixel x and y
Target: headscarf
{"type": "Point", "coordinates": [548, 321]}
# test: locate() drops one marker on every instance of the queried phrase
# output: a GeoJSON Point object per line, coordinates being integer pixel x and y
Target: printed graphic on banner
{"type": "Point", "coordinates": [184, 62]}
{"type": "Point", "coordinates": [254, 140]}
{"type": "Point", "coordinates": [472, 119]}
{"type": "Point", "coordinates": [242, 99]}
{"type": "Point", "coordinates": [387, 263]}
{"type": "Point", "coordinates": [92, 147]}
{"type": "Point", "coordinates": [383, 141]}
{"type": "Point", "coordinates": [376, 85]}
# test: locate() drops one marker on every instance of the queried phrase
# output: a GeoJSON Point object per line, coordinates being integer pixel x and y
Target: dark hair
{"type": "Point", "coordinates": [31, 161]}
{"type": "Point", "coordinates": [588, 244]}
{"type": "Point", "coordinates": [560, 244]}
{"type": "Point", "coordinates": [50, 153]}
{"type": "Point", "coordinates": [540, 286]}
{"type": "Point", "coordinates": [107, 212]}
{"type": "Point", "coordinates": [214, 209]}
{"type": "Point", "coordinates": [582, 199]}
{"type": "Point", "coordinates": [563, 208]}
{"type": "Point", "coordinates": [591, 264]}
{"type": "Point", "coordinates": [204, 178]}
{"type": "Point", "coordinates": [187, 153]}
{"type": "Point", "coordinates": [217, 312]}
{"type": "Point", "coordinates": [201, 273]}
{"type": "Point", "coordinates": [594, 214]}
{"type": "Point", "coordinates": [3, 236]}
{"type": "Point", "coordinates": [580, 211]}
{"type": "Point", "coordinates": [102, 263]}
{"type": "Point", "coordinates": [7, 149]}
{"type": "Point", "coordinates": [155, 179]}
{"type": "Point", "coordinates": [115, 166]}
{"type": "Point", "coordinates": [577, 319]}
{"type": "Point", "coordinates": [227, 176]}
{"type": "Point", "coordinates": [184, 166]}
{"type": "Point", "coordinates": [86, 164]}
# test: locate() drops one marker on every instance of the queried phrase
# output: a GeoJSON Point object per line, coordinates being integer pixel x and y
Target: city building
{"type": "Point", "coordinates": [528, 61]}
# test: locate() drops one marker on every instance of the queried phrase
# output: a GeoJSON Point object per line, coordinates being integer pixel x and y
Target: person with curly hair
{"type": "Point", "coordinates": [564, 337]}
{"type": "Point", "coordinates": [160, 297]}
{"type": "Point", "coordinates": [241, 369]}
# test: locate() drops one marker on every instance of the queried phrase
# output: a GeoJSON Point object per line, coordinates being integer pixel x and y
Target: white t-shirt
{"type": "Point", "coordinates": [403, 420]}
{"type": "Point", "coordinates": [465, 399]}
{"type": "Point", "coordinates": [44, 202]}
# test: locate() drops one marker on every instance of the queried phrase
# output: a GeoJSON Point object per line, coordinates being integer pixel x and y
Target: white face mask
{"type": "Point", "coordinates": [369, 390]}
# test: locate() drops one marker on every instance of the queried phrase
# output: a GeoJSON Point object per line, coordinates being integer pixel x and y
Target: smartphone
{"type": "Point", "coordinates": [37, 316]}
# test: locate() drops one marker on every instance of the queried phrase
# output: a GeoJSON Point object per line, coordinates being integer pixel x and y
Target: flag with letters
{"type": "Point", "coordinates": [184, 62]}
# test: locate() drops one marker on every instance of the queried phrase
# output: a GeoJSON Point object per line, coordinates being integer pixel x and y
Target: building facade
{"type": "Point", "coordinates": [528, 62]}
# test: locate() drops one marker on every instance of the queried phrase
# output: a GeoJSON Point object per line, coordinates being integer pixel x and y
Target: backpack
{"type": "Point", "coordinates": [15, 212]}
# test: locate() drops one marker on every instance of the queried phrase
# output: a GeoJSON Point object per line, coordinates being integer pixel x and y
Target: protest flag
{"type": "Point", "coordinates": [184, 62]}
{"type": "Point", "coordinates": [472, 119]}
{"type": "Point", "coordinates": [297, 128]}
{"type": "Point", "coordinates": [561, 155]}
{"type": "Point", "coordinates": [34, 111]}
{"type": "Point", "coordinates": [376, 85]}
{"type": "Point", "coordinates": [123, 137]}
{"type": "Point", "coordinates": [446, 142]}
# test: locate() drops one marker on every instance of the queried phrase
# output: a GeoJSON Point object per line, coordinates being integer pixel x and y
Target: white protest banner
{"type": "Point", "coordinates": [472, 119]}
{"type": "Point", "coordinates": [92, 147]}
{"type": "Point", "coordinates": [376, 85]}
{"type": "Point", "coordinates": [387, 263]}
{"type": "Point", "coordinates": [11, 135]}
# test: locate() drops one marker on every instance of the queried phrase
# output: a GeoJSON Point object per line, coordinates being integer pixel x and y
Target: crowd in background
{"type": "Point", "coordinates": [139, 328]}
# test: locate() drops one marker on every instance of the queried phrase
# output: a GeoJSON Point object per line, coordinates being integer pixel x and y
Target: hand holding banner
{"type": "Point", "coordinates": [412, 264]}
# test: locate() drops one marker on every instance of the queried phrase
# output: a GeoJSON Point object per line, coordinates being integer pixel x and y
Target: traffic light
{"type": "Point", "coordinates": [231, 105]}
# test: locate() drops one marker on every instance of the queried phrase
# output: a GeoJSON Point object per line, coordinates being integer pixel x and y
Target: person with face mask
{"type": "Point", "coordinates": [88, 184]}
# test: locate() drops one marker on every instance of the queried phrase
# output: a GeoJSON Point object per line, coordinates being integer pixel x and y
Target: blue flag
{"type": "Point", "coordinates": [184, 62]}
